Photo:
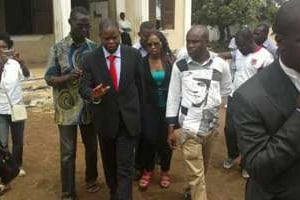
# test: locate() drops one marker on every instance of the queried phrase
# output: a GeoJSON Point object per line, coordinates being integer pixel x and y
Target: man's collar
{"type": "Point", "coordinates": [117, 53]}
{"type": "Point", "coordinates": [288, 70]}
{"type": "Point", "coordinates": [205, 63]}
{"type": "Point", "coordinates": [70, 42]}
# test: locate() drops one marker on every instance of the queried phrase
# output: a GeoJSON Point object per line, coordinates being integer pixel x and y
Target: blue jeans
{"type": "Point", "coordinates": [17, 135]}
{"type": "Point", "coordinates": [68, 141]}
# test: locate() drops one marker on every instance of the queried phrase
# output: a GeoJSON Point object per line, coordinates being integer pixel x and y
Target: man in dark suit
{"type": "Point", "coordinates": [112, 81]}
{"type": "Point", "coordinates": [267, 116]}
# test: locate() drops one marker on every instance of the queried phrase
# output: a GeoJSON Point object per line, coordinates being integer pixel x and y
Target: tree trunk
{"type": "Point", "coordinates": [222, 33]}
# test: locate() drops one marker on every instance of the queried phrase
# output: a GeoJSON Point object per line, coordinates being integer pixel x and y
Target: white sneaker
{"type": "Point", "coordinates": [21, 172]}
{"type": "Point", "coordinates": [228, 163]}
{"type": "Point", "coordinates": [245, 174]}
{"type": "Point", "coordinates": [4, 188]}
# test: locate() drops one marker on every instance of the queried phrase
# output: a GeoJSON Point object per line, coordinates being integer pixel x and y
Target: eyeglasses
{"type": "Point", "coordinates": [156, 44]}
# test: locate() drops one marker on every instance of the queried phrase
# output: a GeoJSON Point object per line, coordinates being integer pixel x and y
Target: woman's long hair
{"type": "Point", "coordinates": [166, 53]}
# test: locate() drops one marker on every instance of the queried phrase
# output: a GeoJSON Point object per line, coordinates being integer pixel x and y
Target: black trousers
{"type": "Point", "coordinates": [117, 157]}
{"type": "Point", "coordinates": [154, 141]}
{"type": "Point", "coordinates": [230, 133]}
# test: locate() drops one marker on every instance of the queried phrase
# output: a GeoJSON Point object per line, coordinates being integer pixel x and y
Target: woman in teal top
{"type": "Point", "coordinates": [157, 64]}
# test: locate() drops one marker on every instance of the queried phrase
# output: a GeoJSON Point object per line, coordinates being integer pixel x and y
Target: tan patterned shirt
{"type": "Point", "coordinates": [70, 108]}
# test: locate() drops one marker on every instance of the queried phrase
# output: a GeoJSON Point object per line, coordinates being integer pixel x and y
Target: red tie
{"type": "Point", "coordinates": [113, 71]}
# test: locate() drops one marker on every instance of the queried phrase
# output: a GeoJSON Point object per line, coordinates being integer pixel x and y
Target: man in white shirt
{"type": "Point", "coordinates": [197, 84]}
{"type": "Point", "coordinates": [252, 57]}
{"type": "Point", "coordinates": [125, 29]}
{"type": "Point", "coordinates": [261, 34]}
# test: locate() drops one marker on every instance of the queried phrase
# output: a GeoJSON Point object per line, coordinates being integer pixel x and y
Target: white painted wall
{"type": "Point", "coordinates": [188, 17]}
{"type": "Point", "coordinates": [136, 11]}
{"type": "Point", "coordinates": [183, 13]}
{"type": "Point", "coordinates": [120, 7]}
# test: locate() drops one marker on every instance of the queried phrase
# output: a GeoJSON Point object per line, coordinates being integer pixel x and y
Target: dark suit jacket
{"type": "Point", "coordinates": [115, 106]}
{"type": "Point", "coordinates": [268, 129]}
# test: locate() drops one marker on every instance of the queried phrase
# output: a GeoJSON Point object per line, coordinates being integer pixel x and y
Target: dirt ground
{"type": "Point", "coordinates": [42, 182]}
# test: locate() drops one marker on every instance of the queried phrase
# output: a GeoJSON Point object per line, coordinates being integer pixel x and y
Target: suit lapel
{"type": "Point", "coordinates": [102, 68]}
{"type": "Point", "coordinates": [124, 61]}
{"type": "Point", "coordinates": [276, 84]}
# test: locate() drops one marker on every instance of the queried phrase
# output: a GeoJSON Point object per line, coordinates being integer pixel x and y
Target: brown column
{"type": "Point", "coordinates": [2, 16]}
{"type": "Point", "coordinates": [112, 9]}
{"type": "Point", "coordinates": [152, 11]}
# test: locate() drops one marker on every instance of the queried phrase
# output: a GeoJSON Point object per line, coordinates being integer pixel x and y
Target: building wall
{"type": "Point", "coordinates": [176, 36]}
{"type": "Point", "coordinates": [137, 11]}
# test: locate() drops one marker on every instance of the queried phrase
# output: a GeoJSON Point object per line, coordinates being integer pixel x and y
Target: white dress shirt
{"type": "Point", "coordinates": [117, 54]}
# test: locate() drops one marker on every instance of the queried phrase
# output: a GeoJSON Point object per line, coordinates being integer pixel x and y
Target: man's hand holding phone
{"type": "Point", "coordinates": [100, 90]}
{"type": "Point", "coordinates": [76, 73]}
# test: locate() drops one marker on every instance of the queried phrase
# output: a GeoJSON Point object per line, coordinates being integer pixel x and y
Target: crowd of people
{"type": "Point", "coordinates": [128, 102]}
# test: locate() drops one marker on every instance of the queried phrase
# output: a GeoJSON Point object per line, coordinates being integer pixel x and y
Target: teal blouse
{"type": "Point", "coordinates": [159, 77]}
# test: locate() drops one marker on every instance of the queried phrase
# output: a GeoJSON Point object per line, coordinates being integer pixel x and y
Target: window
{"type": "Point", "coordinates": [162, 12]}
{"type": "Point", "coordinates": [167, 14]}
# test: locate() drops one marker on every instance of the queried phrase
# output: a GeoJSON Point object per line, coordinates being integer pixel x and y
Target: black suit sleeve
{"type": "Point", "coordinates": [267, 155]}
{"type": "Point", "coordinates": [85, 84]}
{"type": "Point", "coordinates": [139, 78]}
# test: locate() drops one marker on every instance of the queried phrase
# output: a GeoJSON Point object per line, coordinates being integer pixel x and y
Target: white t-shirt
{"type": "Point", "coordinates": [11, 83]}
{"type": "Point", "coordinates": [247, 66]}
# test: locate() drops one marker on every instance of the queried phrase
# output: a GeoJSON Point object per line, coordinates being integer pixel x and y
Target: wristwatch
{"type": "Point", "coordinates": [96, 100]}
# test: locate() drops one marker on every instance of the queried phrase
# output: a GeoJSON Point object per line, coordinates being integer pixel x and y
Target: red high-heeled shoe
{"type": "Point", "coordinates": [145, 180]}
{"type": "Point", "coordinates": [165, 180]}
